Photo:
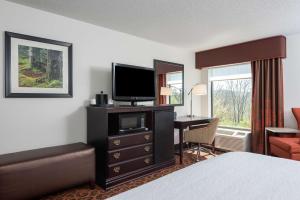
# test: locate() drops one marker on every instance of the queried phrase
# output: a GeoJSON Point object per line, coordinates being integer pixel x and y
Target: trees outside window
{"type": "Point", "coordinates": [232, 102]}
{"type": "Point", "coordinates": [231, 92]}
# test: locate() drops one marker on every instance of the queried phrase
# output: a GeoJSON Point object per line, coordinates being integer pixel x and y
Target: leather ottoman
{"type": "Point", "coordinates": [35, 173]}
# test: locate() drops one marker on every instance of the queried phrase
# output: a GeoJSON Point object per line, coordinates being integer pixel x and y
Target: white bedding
{"type": "Point", "coordinates": [231, 176]}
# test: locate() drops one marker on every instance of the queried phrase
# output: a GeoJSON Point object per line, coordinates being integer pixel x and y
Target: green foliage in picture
{"type": "Point", "coordinates": [40, 68]}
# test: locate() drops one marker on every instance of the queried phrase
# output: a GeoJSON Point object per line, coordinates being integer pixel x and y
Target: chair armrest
{"type": "Point", "coordinates": [197, 126]}
{"type": "Point", "coordinates": [202, 130]}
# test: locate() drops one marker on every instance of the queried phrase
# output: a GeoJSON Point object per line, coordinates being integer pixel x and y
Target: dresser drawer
{"type": "Point", "coordinates": [128, 166]}
{"type": "Point", "coordinates": [120, 155]}
{"type": "Point", "coordinates": [120, 141]}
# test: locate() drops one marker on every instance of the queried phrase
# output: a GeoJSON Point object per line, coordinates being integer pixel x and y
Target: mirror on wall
{"type": "Point", "coordinates": [169, 83]}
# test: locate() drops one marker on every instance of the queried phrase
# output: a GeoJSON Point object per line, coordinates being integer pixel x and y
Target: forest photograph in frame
{"type": "Point", "coordinates": [37, 67]}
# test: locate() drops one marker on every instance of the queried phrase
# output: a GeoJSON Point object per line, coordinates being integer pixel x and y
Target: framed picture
{"type": "Point", "coordinates": [37, 67]}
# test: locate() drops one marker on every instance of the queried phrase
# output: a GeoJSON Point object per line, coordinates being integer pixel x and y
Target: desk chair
{"type": "Point", "coordinates": [202, 136]}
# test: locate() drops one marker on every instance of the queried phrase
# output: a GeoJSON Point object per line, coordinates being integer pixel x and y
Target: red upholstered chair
{"type": "Point", "coordinates": [286, 147]}
{"type": "Point", "coordinates": [296, 112]}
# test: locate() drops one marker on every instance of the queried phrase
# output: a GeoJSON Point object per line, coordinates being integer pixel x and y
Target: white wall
{"type": "Point", "coordinates": [291, 79]}
{"type": "Point", "coordinates": [205, 104]}
{"type": "Point", "coordinates": [34, 123]}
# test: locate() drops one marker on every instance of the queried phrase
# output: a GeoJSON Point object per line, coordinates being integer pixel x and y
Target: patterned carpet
{"type": "Point", "coordinates": [85, 193]}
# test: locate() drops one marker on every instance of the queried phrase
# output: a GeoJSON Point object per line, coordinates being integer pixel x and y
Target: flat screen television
{"type": "Point", "coordinates": [132, 83]}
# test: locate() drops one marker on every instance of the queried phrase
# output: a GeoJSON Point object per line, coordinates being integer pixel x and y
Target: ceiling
{"type": "Point", "coordinates": [192, 24]}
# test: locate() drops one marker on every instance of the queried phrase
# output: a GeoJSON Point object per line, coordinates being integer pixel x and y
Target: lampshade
{"type": "Point", "coordinates": [165, 91]}
{"type": "Point", "coordinates": [199, 89]}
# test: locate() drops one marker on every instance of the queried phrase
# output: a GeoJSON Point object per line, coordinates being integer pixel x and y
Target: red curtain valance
{"type": "Point", "coordinates": [267, 48]}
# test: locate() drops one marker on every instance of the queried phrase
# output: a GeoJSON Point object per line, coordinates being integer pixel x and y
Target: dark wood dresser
{"type": "Point", "coordinates": [124, 156]}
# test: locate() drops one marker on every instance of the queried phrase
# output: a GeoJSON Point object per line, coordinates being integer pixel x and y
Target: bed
{"type": "Point", "coordinates": [230, 176]}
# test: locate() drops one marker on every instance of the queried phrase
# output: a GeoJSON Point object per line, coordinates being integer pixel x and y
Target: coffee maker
{"type": "Point", "coordinates": [101, 99]}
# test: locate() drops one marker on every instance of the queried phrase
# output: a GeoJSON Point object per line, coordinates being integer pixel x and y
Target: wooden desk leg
{"type": "Point", "coordinates": [181, 145]}
{"type": "Point", "coordinates": [267, 144]}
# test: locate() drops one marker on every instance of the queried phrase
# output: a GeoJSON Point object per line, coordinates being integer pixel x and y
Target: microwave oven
{"type": "Point", "coordinates": [131, 122]}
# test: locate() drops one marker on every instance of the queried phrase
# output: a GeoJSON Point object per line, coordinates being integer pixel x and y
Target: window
{"type": "Point", "coordinates": [231, 89]}
{"type": "Point", "coordinates": [174, 82]}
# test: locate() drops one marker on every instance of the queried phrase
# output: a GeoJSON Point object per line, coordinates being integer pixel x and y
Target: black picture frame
{"type": "Point", "coordinates": [9, 93]}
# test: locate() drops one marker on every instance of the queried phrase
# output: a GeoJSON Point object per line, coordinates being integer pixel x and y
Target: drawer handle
{"type": "Point", "coordinates": [147, 137]}
{"type": "Point", "coordinates": [117, 142]}
{"type": "Point", "coordinates": [147, 160]}
{"type": "Point", "coordinates": [147, 148]}
{"type": "Point", "coordinates": [117, 155]}
{"type": "Point", "coordinates": [117, 169]}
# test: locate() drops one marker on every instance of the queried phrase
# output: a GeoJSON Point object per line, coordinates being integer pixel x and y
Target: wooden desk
{"type": "Point", "coordinates": [276, 131]}
{"type": "Point", "coordinates": [182, 123]}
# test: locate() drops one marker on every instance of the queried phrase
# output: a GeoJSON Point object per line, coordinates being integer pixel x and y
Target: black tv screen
{"type": "Point", "coordinates": [132, 83]}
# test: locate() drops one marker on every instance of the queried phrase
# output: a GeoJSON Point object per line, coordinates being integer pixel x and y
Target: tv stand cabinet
{"type": "Point", "coordinates": [123, 157]}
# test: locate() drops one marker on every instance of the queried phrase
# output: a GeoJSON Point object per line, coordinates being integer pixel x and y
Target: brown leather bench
{"type": "Point", "coordinates": [35, 173]}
